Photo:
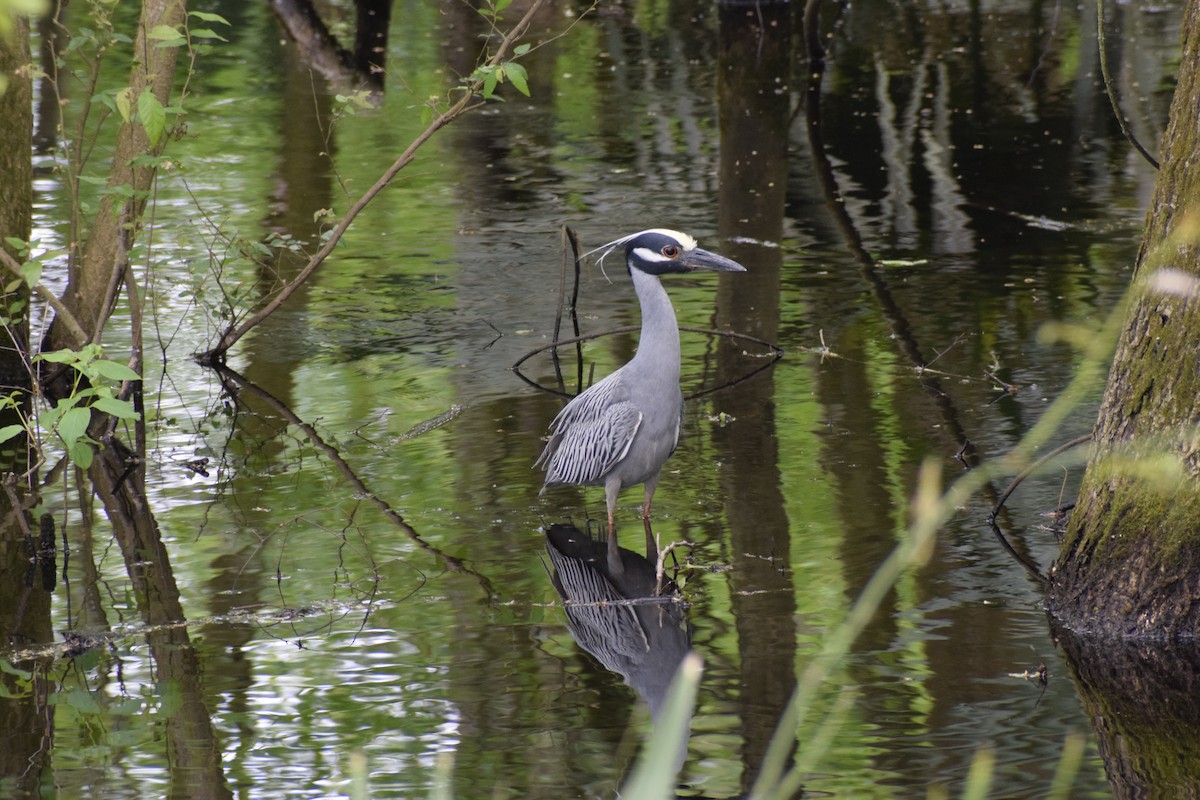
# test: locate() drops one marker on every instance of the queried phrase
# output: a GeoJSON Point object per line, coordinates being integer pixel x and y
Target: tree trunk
{"type": "Point", "coordinates": [1130, 563]}
{"type": "Point", "coordinates": [16, 198]}
{"type": "Point", "coordinates": [96, 272]}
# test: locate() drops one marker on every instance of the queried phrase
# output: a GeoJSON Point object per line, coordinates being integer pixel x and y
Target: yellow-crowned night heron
{"type": "Point", "coordinates": [621, 430]}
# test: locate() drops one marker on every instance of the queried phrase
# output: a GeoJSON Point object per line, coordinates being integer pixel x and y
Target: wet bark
{"type": "Point", "coordinates": [1144, 704]}
{"type": "Point", "coordinates": [1130, 563]}
{"type": "Point", "coordinates": [16, 199]}
{"type": "Point", "coordinates": [96, 271]}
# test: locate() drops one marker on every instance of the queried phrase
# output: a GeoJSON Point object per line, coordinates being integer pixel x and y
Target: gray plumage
{"type": "Point", "coordinates": [621, 430]}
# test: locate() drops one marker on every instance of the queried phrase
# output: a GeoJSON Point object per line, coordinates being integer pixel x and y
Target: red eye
{"type": "Point", "coordinates": [670, 251]}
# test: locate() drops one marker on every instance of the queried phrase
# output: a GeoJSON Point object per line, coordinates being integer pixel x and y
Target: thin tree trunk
{"type": "Point", "coordinates": [1130, 563]}
{"type": "Point", "coordinates": [96, 270]}
{"type": "Point", "coordinates": [16, 199]}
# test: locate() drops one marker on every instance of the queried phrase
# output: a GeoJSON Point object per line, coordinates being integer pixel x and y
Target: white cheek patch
{"type": "Point", "coordinates": [652, 256]}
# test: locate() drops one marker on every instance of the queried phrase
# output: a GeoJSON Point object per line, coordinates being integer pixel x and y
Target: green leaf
{"type": "Point", "coordinates": [489, 84]}
{"type": "Point", "coordinates": [205, 16]}
{"type": "Point", "coordinates": [31, 271]}
{"type": "Point", "coordinates": [59, 357]}
{"type": "Point", "coordinates": [73, 426]}
{"type": "Point", "coordinates": [164, 32]}
{"type": "Point", "coordinates": [82, 701]}
{"type": "Point", "coordinates": [206, 33]}
{"type": "Point", "coordinates": [81, 453]}
{"type": "Point", "coordinates": [17, 671]}
{"type": "Point", "coordinates": [125, 104]}
{"type": "Point", "coordinates": [9, 431]}
{"type": "Point", "coordinates": [152, 115]}
{"type": "Point", "coordinates": [19, 245]}
{"type": "Point", "coordinates": [114, 370]}
{"type": "Point", "coordinates": [121, 409]}
{"type": "Point", "coordinates": [167, 36]}
{"type": "Point", "coordinates": [521, 49]}
{"type": "Point", "coordinates": [517, 75]}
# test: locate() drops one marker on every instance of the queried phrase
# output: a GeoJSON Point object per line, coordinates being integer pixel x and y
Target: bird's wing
{"type": "Point", "coordinates": [591, 434]}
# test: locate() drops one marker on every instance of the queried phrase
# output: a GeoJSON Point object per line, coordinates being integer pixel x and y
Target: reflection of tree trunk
{"type": "Point", "coordinates": [26, 719]}
{"type": "Point", "coordinates": [193, 750]}
{"type": "Point", "coordinates": [54, 39]}
{"type": "Point", "coordinates": [16, 196]}
{"type": "Point", "coordinates": [1130, 562]}
{"type": "Point", "coordinates": [370, 39]}
{"type": "Point", "coordinates": [24, 601]}
{"type": "Point", "coordinates": [303, 187]}
{"type": "Point", "coordinates": [1144, 704]}
{"type": "Point", "coordinates": [321, 50]}
{"type": "Point", "coordinates": [754, 115]}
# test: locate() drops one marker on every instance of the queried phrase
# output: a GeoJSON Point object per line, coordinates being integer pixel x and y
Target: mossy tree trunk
{"type": "Point", "coordinates": [1130, 563]}
{"type": "Point", "coordinates": [16, 197]}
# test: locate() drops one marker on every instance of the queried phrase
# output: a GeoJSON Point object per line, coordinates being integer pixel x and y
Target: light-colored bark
{"type": "Point", "coordinates": [98, 266]}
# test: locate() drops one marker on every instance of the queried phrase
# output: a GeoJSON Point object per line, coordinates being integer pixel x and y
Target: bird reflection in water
{"type": "Point", "coordinates": [634, 626]}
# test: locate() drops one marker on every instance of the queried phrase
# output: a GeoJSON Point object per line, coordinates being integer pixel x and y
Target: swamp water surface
{"type": "Point", "coordinates": [361, 559]}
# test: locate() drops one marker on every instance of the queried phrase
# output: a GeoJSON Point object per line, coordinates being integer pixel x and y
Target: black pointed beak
{"type": "Point", "coordinates": [702, 259]}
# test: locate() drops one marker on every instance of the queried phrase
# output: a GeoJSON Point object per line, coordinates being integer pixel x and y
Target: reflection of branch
{"type": "Point", "coordinates": [1111, 92]}
{"type": "Point", "coordinates": [245, 384]}
{"type": "Point", "coordinates": [901, 330]}
{"type": "Point", "coordinates": [469, 101]}
{"type": "Point", "coordinates": [775, 356]}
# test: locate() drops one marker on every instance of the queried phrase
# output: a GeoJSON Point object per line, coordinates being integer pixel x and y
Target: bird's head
{"type": "Point", "coordinates": [659, 251]}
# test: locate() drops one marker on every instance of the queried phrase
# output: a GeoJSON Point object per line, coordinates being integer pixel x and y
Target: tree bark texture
{"type": "Point", "coordinates": [97, 269]}
{"type": "Point", "coordinates": [1130, 563]}
{"type": "Point", "coordinates": [16, 197]}
{"type": "Point", "coordinates": [1143, 701]}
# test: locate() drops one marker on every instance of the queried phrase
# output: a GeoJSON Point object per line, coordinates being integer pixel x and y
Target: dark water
{"type": "Point", "coordinates": [957, 184]}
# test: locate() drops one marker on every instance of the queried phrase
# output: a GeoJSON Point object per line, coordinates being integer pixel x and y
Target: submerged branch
{"type": "Point", "coordinates": [469, 101]}
{"type": "Point", "coordinates": [451, 563]}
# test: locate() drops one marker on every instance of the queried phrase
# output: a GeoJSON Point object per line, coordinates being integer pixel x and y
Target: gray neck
{"type": "Point", "coordinates": [658, 347]}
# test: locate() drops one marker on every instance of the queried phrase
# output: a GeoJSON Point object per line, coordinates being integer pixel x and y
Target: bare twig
{"type": "Point", "coordinates": [1023, 560]}
{"type": "Point", "coordinates": [469, 101]}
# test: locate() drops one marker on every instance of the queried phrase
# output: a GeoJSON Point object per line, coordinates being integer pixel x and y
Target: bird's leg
{"type": "Point", "coordinates": [615, 565]}
{"type": "Point", "coordinates": [651, 539]}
